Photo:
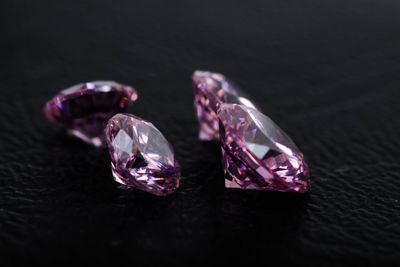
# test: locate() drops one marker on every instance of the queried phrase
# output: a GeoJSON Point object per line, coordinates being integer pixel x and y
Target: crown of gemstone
{"type": "Point", "coordinates": [84, 109]}
{"type": "Point", "coordinates": [210, 90]}
{"type": "Point", "coordinates": [141, 157]}
{"type": "Point", "coordinates": [257, 154]}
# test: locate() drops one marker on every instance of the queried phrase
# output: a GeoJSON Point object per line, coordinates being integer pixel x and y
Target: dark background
{"type": "Point", "coordinates": [326, 71]}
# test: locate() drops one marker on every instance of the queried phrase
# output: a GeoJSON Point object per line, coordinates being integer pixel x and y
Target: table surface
{"type": "Point", "coordinates": [326, 71]}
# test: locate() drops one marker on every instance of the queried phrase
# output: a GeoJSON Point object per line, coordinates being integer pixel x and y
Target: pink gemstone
{"type": "Point", "coordinates": [84, 109]}
{"type": "Point", "coordinates": [257, 154]}
{"type": "Point", "coordinates": [141, 157]}
{"type": "Point", "coordinates": [210, 90]}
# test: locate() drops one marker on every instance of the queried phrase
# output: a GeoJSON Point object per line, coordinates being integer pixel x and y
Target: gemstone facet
{"type": "Point", "coordinates": [257, 154]}
{"type": "Point", "coordinates": [141, 157]}
{"type": "Point", "coordinates": [84, 109]}
{"type": "Point", "coordinates": [210, 90]}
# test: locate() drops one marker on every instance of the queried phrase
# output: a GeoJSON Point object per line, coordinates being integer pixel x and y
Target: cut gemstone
{"type": "Point", "coordinates": [84, 109]}
{"type": "Point", "coordinates": [210, 90]}
{"type": "Point", "coordinates": [141, 157]}
{"type": "Point", "coordinates": [257, 154]}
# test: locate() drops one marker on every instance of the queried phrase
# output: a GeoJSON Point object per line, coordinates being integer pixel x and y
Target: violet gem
{"type": "Point", "coordinates": [84, 109]}
{"type": "Point", "coordinates": [257, 154]}
{"type": "Point", "coordinates": [210, 90]}
{"type": "Point", "coordinates": [141, 157]}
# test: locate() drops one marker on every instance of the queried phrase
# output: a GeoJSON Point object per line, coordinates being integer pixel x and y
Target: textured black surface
{"type": "Point", "coordinates": [326, 71]}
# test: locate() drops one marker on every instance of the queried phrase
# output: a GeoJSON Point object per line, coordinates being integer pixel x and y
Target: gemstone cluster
{"type": "Point", "coordinates": [210, 90]}
{"type": "Point", "coordinates": [256, 153]}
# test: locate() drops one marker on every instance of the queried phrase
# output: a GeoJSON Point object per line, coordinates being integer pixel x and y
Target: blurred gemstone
{"type": "Point", "coordinates": [210, 90]}
{"type": "Point", "coordinates": [84, 109]}
{"type": "Point", "coordinates": [141, 157]}
{"type": "Point", "coordinates": [257, 154]}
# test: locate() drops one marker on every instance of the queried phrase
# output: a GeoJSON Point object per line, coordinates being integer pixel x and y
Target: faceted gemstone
{"type": "Point", "coordinates": [141, 157]}
{"type": "Point", "coordinates": [84, 109]}
{"type": "Point", "coordinates": [257, 154]}
{"type": "Point", "coordinates": [210, 90]}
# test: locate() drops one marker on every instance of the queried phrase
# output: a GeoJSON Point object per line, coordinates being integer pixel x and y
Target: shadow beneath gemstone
{"type": "Point", "coordinates": [73, 165]}
{"type": "Point", "coordinates": [261, 212]}
{"type": "Point", "coordinates": [202, 162]}
{"type": "Point", "coordinates": [273, 202]}
{"type": "Point", "coordinates": [143, 207]}
{"type": "Point", "coordinates": [211, 148]}
{"type": "Point", "coordinates": [131, 197]}
{"type": "Point", "coordinates": [62, 139]}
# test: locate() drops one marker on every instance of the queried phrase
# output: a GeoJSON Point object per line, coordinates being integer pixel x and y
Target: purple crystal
{"type": "Point", "coordinates": [210, 90]}
{"type": "Point", "coordinates": [84, 109]}
{"type": "Point", "coordinates": [257, 154]}
{"type": "Point", "coordinates": [141, 157]}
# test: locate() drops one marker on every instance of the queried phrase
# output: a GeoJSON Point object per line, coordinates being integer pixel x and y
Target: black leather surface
{"type": "Point", "coordinates": [326, 71]}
